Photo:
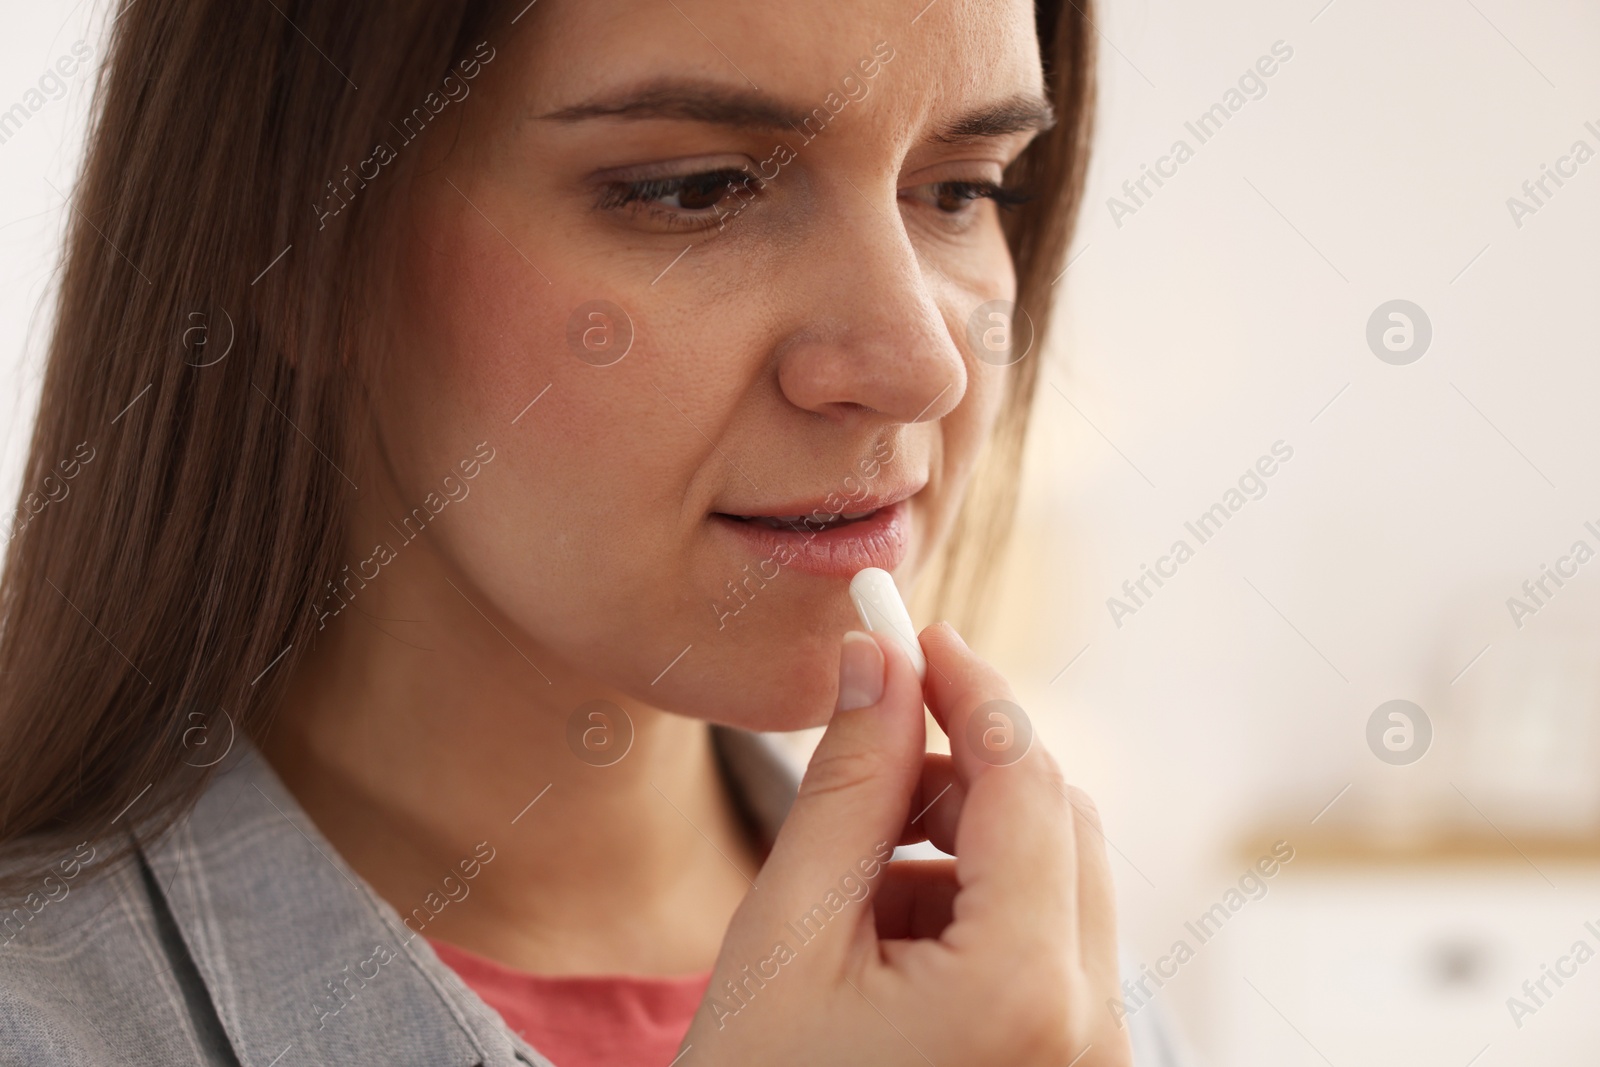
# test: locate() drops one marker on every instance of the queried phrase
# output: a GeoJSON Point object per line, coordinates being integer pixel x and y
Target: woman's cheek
{"type": "Point", "coordinates": [967, 429]}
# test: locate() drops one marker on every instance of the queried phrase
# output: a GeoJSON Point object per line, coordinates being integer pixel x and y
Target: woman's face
{"type": "Point", "coordinates": [729, 254]}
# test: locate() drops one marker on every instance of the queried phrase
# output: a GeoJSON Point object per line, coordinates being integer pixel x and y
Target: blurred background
{"type": "Point", "coordinates": [1341, 277]}
{"type": "Point", "coordinates": [1432, 875]}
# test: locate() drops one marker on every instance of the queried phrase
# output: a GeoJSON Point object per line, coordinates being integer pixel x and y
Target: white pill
{"type": "Point", "coordinates": [881, 609]}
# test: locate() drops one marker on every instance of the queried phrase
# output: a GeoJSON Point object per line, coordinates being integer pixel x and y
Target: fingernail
{"type": "Point", "coordinates": [860, 672]}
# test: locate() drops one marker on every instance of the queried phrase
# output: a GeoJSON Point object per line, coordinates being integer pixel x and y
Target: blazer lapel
{"type": "Point", "coordinates": [305, 964]}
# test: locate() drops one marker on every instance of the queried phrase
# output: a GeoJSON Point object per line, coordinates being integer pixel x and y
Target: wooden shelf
{"type": "Point", "coordinates": [1345, 848]}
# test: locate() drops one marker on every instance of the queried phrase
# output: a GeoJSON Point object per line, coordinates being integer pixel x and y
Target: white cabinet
{"type": "Point", "coordinates": [1396, 964]}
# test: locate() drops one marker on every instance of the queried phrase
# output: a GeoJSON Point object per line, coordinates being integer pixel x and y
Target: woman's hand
{"type": "Point", "coordinates": [1005, 955]}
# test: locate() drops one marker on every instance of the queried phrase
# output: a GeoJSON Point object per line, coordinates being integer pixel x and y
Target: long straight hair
{"type": "Point", "coordinates": [184, 496]}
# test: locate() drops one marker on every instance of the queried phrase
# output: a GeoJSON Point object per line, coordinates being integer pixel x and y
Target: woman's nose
{"type": "Point", "coordinates": [867, 335]}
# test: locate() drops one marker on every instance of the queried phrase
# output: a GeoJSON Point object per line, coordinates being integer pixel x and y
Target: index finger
{"type": "Point", "coordinates": [973, 703]}
{"type": "Point", "coordinates": [1016, 845]}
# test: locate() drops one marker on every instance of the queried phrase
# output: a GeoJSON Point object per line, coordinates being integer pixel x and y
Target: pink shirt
{"type": "Point", "coordinates": [586, 1020]}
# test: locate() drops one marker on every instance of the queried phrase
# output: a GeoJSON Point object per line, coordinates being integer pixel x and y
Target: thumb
{"type": "Point", "coordinates": [852, 802]}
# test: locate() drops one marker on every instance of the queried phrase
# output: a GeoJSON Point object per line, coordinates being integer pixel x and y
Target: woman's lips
{"type": "Point", "coordinates": [881, 539]}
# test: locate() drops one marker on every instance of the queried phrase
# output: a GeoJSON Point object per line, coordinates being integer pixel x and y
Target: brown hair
{"type": "Point", "coordinates": [182, 505]}
{"type": "Point", "coordinates": [1053, 169]}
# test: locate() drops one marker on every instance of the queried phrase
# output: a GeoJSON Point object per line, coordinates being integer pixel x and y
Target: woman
{"type": "Point", "coordinates": [475, 414]}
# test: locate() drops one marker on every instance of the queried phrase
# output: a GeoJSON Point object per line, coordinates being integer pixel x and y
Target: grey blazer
{"type": "Point", "coordinates": [242, 938]}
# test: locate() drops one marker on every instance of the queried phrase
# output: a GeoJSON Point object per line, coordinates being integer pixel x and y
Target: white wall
{"type": "Point", "coordinates": [1223, 316]}
{"type": "Point", "coordinates": [43, 151]}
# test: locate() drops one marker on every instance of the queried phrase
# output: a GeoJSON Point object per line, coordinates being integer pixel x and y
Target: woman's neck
{"type": "Point", "coordinates": [421, 741]}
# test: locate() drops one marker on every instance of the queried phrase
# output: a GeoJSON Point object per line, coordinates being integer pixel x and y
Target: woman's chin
{"type": "Point", "coordinates": [763, 679]}
{"type": "Point", "coordinates": [778, 714]}
{"type": "Point", "coordinates": [819, 713]}
{"type": "Point", "coordinates": [762, 708]}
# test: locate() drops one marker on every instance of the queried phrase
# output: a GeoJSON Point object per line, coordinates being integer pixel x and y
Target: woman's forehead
{"type": "Point", "coordinates": [935, 67]}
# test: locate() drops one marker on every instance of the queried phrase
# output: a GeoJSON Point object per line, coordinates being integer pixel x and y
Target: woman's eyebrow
{"type": "Point", "coordinates": [1020, 113]}
{"type": "Point", "coordinates": [689, 101]}
{"type": "Point", "coordinates": [720, 105]}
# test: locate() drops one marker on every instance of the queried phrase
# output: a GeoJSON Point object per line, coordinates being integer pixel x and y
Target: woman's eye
{"type": "Point", "coordinates": [956, 197]}
{"type": "Point", "coordinates": [688, 197]}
